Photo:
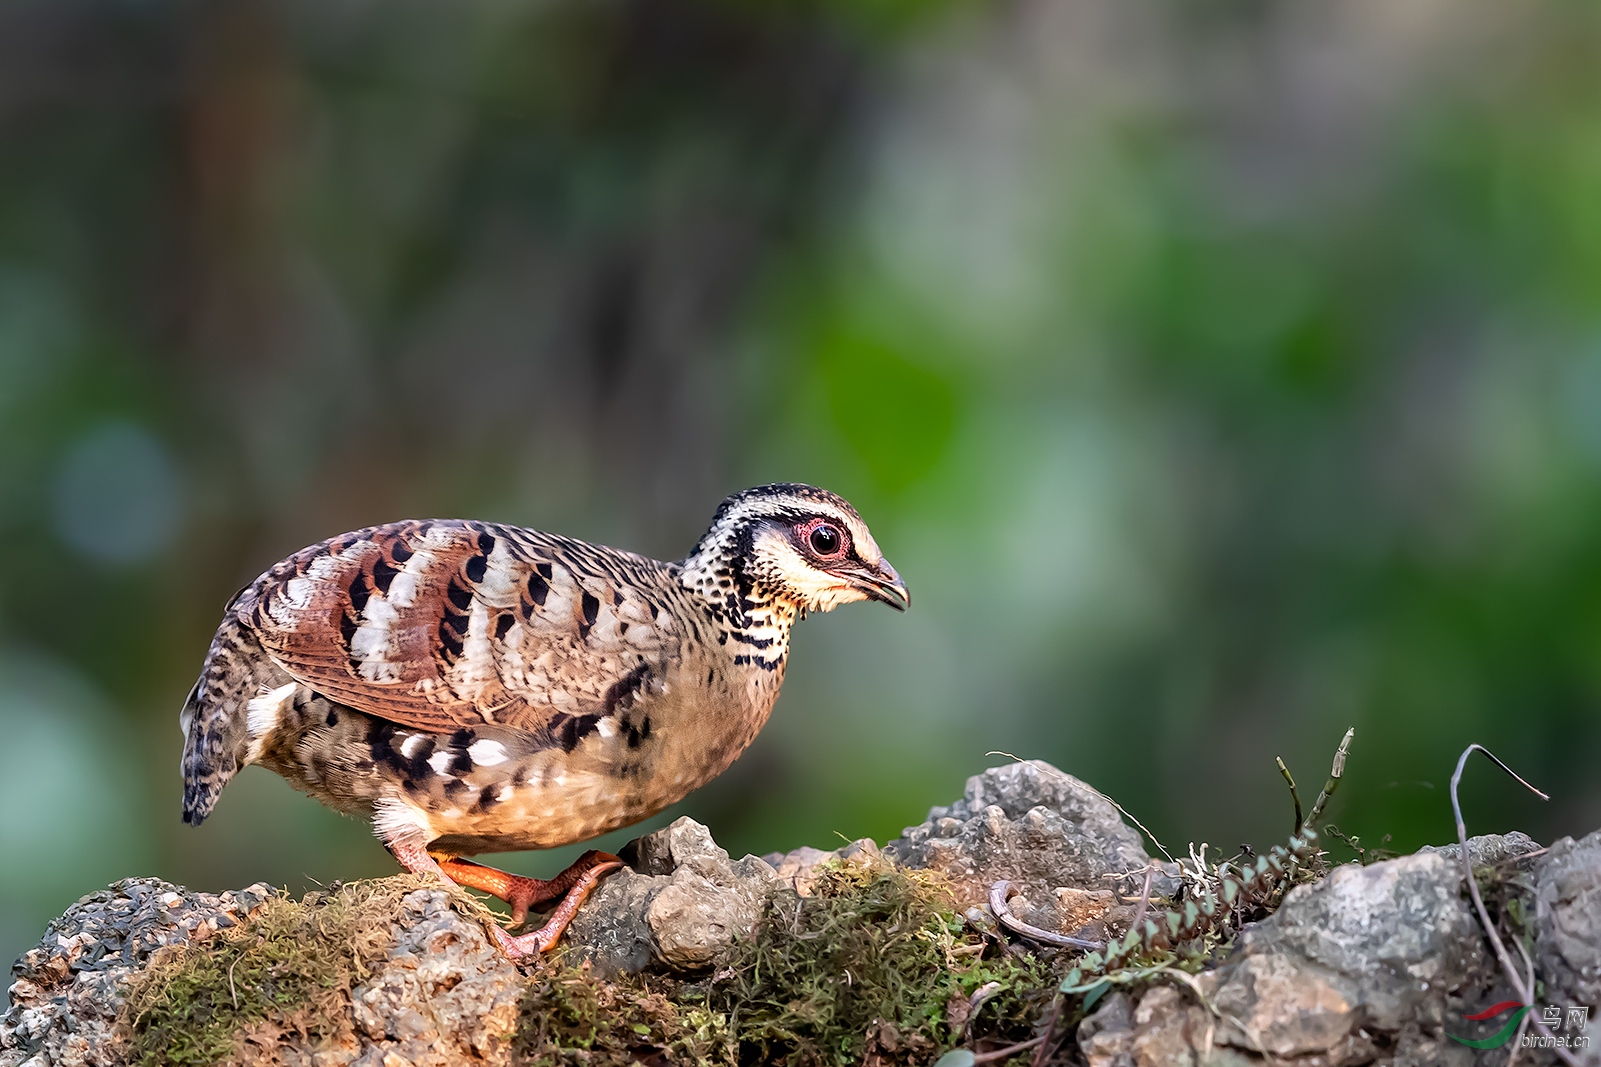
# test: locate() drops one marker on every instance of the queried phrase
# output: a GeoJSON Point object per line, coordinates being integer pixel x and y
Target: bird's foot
{"type": "Point", "coordinates": [521, 892]}
{"type": "Point", "coordinates": [545, 938]}
{"type": "Point", "coordinates": [572, 886]}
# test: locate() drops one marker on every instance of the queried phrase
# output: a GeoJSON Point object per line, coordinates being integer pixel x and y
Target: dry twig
{"type": "Point", "coordinates": [1145, 900]}
{"type": "Point", "coordinates": [1043, 1053]}
{"type": "Point", "coordinates": [1009, 1051]}
{"type": "Point", "coordinates": [1000, 892]}
{"type": "Point", "coordinates": [1523, 1023]}
{"type": "Point", "coordinates": [1524, 990]}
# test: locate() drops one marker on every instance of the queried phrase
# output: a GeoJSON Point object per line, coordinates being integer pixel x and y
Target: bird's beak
{"type": "Point", "coordinates": [883, 585]}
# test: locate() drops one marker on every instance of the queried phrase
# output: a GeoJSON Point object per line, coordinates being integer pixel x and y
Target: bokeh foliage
{"type": "Point", "coordinates": [1219, 376]}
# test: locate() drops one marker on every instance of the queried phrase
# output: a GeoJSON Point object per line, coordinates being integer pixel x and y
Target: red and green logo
{"type": "Point", "coordinates": [1501, 1036]}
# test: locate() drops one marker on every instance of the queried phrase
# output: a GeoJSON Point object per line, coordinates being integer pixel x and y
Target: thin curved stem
{"type": "Point", "coordinates": [999, 894]}
{"type": "Point", "coordinates": [1524, 990]}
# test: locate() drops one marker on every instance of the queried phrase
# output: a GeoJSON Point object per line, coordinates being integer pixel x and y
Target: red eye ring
{"type": "Point", "coordinates": [823, 538]}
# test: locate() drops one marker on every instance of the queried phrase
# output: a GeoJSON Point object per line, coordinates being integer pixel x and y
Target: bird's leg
{"type": "Point", "coordinates": [575, 884]}
{"type": "Point", "coordinates": [415, 858]}
{"type": "Point", "coordinates": [520, 892]}
{"type": "Point", "coordinates": [545, 938]}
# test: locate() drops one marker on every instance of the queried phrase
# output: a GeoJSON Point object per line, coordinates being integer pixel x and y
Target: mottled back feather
{"type": "Point", "coordinates": [440, 624]}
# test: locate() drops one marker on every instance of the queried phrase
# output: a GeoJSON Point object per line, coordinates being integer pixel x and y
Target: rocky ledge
{"type": "Point", "coordinates": [667, 962]}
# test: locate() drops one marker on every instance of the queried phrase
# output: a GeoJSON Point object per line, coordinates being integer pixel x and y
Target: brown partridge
{"type": "Point", "coordinates": [472, 687]}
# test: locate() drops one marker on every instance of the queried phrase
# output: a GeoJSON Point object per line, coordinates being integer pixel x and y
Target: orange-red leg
{"type": "Point", "coordinates": [520, 892]}
{"type": "Point", "coordinates": [573, 886]}
{"type": "Point", "coordinates": [545, 938]}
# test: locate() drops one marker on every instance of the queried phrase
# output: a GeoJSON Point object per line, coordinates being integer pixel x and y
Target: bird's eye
{"type": "Point", "coordinates": [825, 540]}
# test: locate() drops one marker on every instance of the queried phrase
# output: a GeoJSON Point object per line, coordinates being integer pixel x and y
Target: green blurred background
{"type": "Point", "coordinates": [1219, 375]}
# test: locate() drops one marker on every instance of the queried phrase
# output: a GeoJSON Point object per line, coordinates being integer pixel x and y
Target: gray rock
{"type": "Point", "coordinates": [67, 992]}
{"type": "Point", "coordinates": [1030, 824]}
{"type": "Point", "coordinates": [1489, 849]}
{"type": "Point", "coordinates": [1106, 1036]}
{"type": "Point", "coordinates": [679, 909]}
{"type": "Point", "coordinates": [1567, 941]}
{"type": "Point", "coordinates": [443, 995]}
{"type": "Point", "coordinates": [798, 869]}
{"type": "Point", "coordinates": [1367, 948]}
{"type": "Point", "coordinates": [1167, 1028]}
{"type": "Point", "coordinates": [1370, 965]}
{"type": "Point", "coordinates": [610, 931]}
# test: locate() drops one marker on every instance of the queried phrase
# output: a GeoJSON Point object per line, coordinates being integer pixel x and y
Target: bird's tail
{"type": "Point", "coordinates": [214, 720]}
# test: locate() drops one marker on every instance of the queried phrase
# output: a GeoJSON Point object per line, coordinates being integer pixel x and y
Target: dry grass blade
{"type": "Point", "coordinates": [1145, 900]}
{"type": "Point", "coordinates": [1523, 1023]}
{"type": "Point", "coordinates": [1524, 990]}
{"type": "Point", "coordinates": [1009, 1051]}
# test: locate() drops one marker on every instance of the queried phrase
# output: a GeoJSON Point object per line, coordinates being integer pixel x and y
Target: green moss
{"type": "Point", "coordinates": [289, 969]}
{"type": "Point", "coordinates": [867, 966]}
{"type": "Point", "coordinates": [571, 1016]}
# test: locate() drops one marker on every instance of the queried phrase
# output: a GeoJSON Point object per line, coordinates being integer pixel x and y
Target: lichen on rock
{"type": "Point", "coordinates": [1033, 825]}
{"type": "Point", "coordinates": [1373, 964]}
{"type": "Point", "coordinates": [679, 907]}
{"type": "Point", "coordinates": [68, 994]}
{"type": "Point", "coordinates": [1567, 944]}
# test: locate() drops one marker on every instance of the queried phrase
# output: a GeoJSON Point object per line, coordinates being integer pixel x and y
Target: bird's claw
{"type": "Point", "coordinates": [545, 938]}
{"type": "Point", "coordinates": [520, 948]}
{"type": "Point", "coordinates": [521, 898]}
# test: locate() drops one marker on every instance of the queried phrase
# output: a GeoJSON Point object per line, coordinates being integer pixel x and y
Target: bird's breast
{"type": "Point", "coordinates": [493, 789]}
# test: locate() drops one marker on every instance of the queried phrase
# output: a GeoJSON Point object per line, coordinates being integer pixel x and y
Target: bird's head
{"type": "Point", "coordinates": [796, 543]}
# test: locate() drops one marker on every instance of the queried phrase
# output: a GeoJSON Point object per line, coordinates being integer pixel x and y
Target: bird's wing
{"type": "Point", "coordinates": [440, 624]}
